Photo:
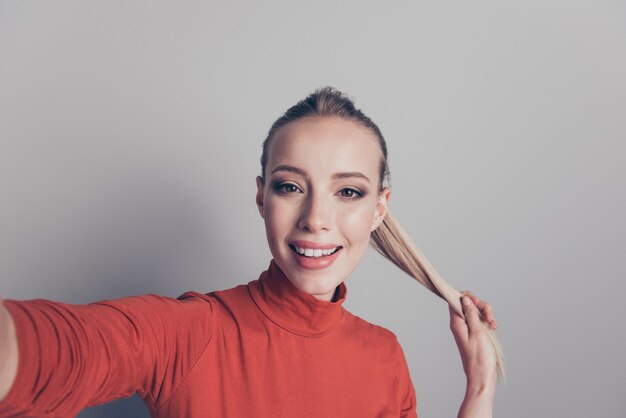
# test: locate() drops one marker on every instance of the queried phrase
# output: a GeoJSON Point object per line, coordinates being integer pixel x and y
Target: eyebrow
{"type": "Point", "coordinates": [292, 169]}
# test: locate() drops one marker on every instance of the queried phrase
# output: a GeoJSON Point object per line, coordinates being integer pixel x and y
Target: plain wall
{"type": "Point", "coordinates": [130, 134]}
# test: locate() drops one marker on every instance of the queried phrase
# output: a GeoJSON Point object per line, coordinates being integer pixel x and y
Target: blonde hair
{"type": "Point", "coordinates": [389, 239]}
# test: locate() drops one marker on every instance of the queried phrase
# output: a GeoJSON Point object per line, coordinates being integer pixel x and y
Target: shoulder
{"type": "Point", "coordinates": [188, 304]}
{"type": "Point", "coordinates": [383, 357]}
{"type": "Point", "coordinates": [236, 295]}
{"type": "Point", "coordinates": [363, 326]}
{"type": "Point", "coordinates": [371, 337]}
{"type": "Point", "coordinates": [223, 304]}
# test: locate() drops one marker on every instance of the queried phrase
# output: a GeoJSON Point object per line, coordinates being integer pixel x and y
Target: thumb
{"type": "Point", "coordinates": [471, 314]}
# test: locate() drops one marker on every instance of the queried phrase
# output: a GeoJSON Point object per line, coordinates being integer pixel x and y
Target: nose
{"type": "Point", "coordinates": [316, 213]}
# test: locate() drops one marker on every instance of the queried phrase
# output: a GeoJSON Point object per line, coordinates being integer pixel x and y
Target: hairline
{"type": "Point", "coordinates": [356, 122]}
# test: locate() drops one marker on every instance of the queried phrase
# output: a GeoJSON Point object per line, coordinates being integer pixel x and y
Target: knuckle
{"type": "Point", "coordinates": [456, 325]}
{"type": "Point", "coordinates": [477, 334]}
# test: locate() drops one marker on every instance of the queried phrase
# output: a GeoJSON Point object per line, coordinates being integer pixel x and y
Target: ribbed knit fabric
{"type": "Point", "coordinates": [265, 349]}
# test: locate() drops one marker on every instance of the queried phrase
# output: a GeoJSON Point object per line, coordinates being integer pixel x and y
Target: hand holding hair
{"type": "Point", "coordinates": [484, 309]}
{"type": "Point", "coordinates": [478, 355]}
{"type": "Point", "coordinates": [477, 352]}
{"type": "Point", "coordinates": [390, 240]}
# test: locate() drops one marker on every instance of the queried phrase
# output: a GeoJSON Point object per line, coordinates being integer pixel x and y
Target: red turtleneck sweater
{"type": "Point", "coordinates": [265, 349]}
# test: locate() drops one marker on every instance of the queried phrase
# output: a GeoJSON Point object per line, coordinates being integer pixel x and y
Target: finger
{"type": "Point", "coordinates": [458, 326]}
{"type": "Point", "coordinates": [485, 309]}
{"type": "Point", "coordinates": [475, 299]}
{"type": "Point", "coordinates": [487, 313]}
{"type": "Point", "coordinates": [471, 315]}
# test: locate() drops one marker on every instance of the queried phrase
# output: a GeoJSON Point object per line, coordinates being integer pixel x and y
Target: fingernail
{"type": "Point", "coordinates": [466, 301]}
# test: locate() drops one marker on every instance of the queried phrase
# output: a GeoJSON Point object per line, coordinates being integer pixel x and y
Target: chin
{"type": "Point", "coordinates": [315, 282]}
{"type": "Point", "coordinates": [317, 286]}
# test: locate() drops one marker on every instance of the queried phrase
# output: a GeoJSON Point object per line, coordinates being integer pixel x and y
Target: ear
{"type": "Point", "coordinates": [260, 188]}
{"type": "Point", "coordinates": [381, 207]}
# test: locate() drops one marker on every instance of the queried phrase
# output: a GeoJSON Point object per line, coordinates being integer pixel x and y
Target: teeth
{"type": "Point", "coordinates": [310, 252]}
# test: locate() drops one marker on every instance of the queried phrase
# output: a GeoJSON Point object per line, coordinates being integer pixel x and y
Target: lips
{"type": "Point", "coordinates": [314, 252]}
{"type": "Point", "coordinates": [313, 249]}
{"type": "Point", "coordinates": [314, 255]}
{"type": "Point", "coordinates": [313, 244]}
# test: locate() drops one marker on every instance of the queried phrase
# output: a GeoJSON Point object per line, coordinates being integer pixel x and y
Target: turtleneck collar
{"type": "Point", "coordinates": [292, 309]}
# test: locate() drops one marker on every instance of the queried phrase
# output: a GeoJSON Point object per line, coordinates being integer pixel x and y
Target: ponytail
{"type": "Point", "coordinates": [390, 240]}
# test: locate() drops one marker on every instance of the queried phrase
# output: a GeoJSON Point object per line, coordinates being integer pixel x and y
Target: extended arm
{"type": "Point", "coordinates": [72, 356]}
{"type": "Point", "coordinates": [8, 351]}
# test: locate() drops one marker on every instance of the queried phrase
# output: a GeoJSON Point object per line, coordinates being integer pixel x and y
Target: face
{"type": "Point", "coordinates": [321, 200]}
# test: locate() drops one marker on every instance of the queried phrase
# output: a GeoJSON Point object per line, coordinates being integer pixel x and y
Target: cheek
{"type": "Point", "coordinates": [278, 218]}
{"type": "Point", "coordinates": [356, 223]}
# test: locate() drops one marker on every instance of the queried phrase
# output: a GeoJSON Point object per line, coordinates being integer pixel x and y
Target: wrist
{"type": "Point", "coordinates": [478, 401]}
{"type": "Point", "coordinates": [480, 390]}
{"type": "Point", "coordinates": [473, 407]}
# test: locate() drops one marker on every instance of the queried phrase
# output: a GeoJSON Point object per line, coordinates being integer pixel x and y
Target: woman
{"type": "Point", "coordinates": [280, 346]}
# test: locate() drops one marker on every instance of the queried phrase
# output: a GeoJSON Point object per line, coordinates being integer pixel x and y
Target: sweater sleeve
{"type": "Point", "coordinates": [408, 400]}
{"type": "Point", "coordinates": [73, 356]}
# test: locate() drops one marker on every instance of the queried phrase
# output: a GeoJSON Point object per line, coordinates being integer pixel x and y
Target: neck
{"type": "Point", "coordinates": [327, 297]}
{"type": "Point", "coordinates": [294, 310]}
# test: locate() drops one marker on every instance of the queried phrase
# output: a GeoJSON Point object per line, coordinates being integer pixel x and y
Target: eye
{"type": "Point", "coordinates": [286, 188]}
{"type": "Point", "coordinates": [349, 193]}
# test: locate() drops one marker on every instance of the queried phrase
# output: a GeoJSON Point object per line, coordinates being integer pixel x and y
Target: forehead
{"type": "Point", "coordinates": [326, 145]}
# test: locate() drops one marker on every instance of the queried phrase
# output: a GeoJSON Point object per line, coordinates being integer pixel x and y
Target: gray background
{"type": "Point", "coordinates": [130, 135]}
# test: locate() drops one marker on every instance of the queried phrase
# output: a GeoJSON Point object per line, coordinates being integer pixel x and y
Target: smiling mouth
{"type": "Point", "coordinates": [314, 252]}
